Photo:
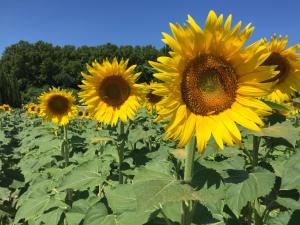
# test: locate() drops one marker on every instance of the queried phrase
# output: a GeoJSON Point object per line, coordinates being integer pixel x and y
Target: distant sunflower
{"type": "Point", "coordinates": [211, 82]}
{"type": "Point", "coordinates": [110, 92]}
{"type": "Point", "coordinates": [80, 113]}
{"type": "Point", "coordinates": [57, 106]}
{"type": "Point", "coordinates": [31, 108]}
{"type": "Point", "coordinates": [151, 99]}
{"type": "Point", "coordinates": [293, 109]}
{"type": "Point", "coordinates": [6, 108]}
{"type": "Point", "coordinates": [287, 63]}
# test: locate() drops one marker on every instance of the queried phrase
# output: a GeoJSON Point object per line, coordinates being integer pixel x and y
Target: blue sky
{"type": "Point", "coordinates": [134, 22]}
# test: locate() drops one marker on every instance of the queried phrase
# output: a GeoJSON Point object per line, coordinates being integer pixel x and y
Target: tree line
{"type": "Point", "coordinates": [28, 69]}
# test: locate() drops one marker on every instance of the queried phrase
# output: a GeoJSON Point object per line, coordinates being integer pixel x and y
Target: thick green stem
{"type": "Point", "coordinates": [190, 148]}
{"type": "Point", "coordinates": [65, 152]}
{"type": "Point", "coordinates": [251, 206]}
{"type": "Point", "coordinates": [121, 151]}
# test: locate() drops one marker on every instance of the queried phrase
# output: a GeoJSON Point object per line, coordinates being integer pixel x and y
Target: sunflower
{"type": "Point", "coordinates": [80, 113]}
{"type": "Point", "coordinates": [31, 108]}
{"type": "Point", "coordinates": [110, 92]}
{"type": "Point", "coordinates": [151, 99]}
{"type": "Point", "coordinates": [6, 108]}
{"type": "Point", "coordinates": [211, 83]}
{"type": "Point", "coordinates": [293, 109]}
{"type": "Point", "coordinates": [287, 63]}
{"type": "Point", "coordinates": [57, 106]}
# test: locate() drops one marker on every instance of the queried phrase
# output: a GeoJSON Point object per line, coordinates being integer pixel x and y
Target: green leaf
{"type": "Point", "coordinates": [253, 185]}
{"type": "Point", "coordinates": [86, 175]}
{"type": "Point", "coordinates": [288, 203]}
{"type": "Point", "coordinates": [291, 175]}
{"type": "Point", "coordinates": [235, 162]}
{"type": "Point", "coordinates": [121, 198]}
{"type": "Point", "coordinates": [276, 106]}
{"type": "Point", "coordinates": [52, 217]}
{"type": "Point", "coordinates": [281, 219]}
{"type": "Point", "coordinates": [32, 207]}
{"type": "Point", "coordinates": [283, 130]}
{"type": "Point", "coordinates": [95, 214]}
{"type": "Point", "coordinates": [156, 189]}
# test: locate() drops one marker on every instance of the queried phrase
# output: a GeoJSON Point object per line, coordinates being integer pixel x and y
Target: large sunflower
{"type": "Point", "coordinates": [57, 106]}
{"type": "Point", "coordinates": [211, 82]}
{"type": "Point", "coordinates": [110, 92]}
{"type": "Point", "coordinates": [287, 63]}
{"type": "Point", "coordinates": [151, 99]}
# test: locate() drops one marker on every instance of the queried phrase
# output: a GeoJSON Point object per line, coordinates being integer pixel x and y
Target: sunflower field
{"type": "Point", "coordinates": [212, 140]}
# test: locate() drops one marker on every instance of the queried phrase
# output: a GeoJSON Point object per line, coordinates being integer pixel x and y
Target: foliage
{"type": "Point", "coordinates": [28, 69]}
{"type": "Point", "coordinates": [225, 185]}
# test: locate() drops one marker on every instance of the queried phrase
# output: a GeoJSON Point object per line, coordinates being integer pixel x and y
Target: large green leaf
{"type": "Point", "coordinates": [52, 217]}
{"type": "Point", "coordinates": [95, 214]}
{"type": "Point", "coordinates": [121, 198]}
{"type": "Point", "coordinates": [281, 219]}
{"type": "Point", "coordinates": [86, 175]}
{"type": "Point", "coordinates": [283, 130]}
{"type": "Point", "coordinates": [253, 185]}
{"type": "Point", "coordinates": [291, 175]}
{"type": "Point", "coordinates": [157, 188]}
{"type": "Point", "coordinates": [32, 207]}
{"type": "Point", "coordinates": [288, 203]}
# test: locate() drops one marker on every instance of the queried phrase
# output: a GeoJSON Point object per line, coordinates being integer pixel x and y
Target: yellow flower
{"type": "Point", "coordinates": [80, 113]}
{"type": "Point", "coordinates": [110, 92]}
{"type": "Point", "coordinates": [6, 108]}
{"type": "Point", "coordinates": [31, 108]}
{"type": "Point", "coordinates": [151, 99]}
{"type": "Point", "coordinates": [287, 63]}
{"type": "Point", "coordinates": [57, 106]}
{"type": "Point", "coordinates": [211, 83]}
{"type": "Point", "coordinates": [293, 109]}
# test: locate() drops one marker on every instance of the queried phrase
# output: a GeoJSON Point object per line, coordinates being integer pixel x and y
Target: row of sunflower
{"type": "Point", "coordinates": [209, 83]}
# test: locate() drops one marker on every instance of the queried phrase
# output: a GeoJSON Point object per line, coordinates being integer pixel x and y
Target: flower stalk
{"type": "Point", "coordinates": [186, 218]}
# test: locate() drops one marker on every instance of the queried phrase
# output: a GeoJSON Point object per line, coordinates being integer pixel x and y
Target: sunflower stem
{"type": "Point", "coordinates": [121, 151]}
{"type": "Point", "coordinates": [66, 153]}
{"type": "Point", "coordinates": [186, 218]}
{"type": "Point", "coordinates": [251, 206]}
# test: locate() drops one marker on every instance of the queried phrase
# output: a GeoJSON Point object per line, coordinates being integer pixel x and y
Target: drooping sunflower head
{"type": "Point", "coordinates": [57, 106]}
{"type": "Point", "coordinates": [150, 99]}
{"type": "Point", "coordinates": [109, 91]}
{"type": "Point", "coordinates": [287, 62]}
{"type": "Point", "coordinates": [6, 108]}
{"type": "Point", "coordinates": [211, 82]}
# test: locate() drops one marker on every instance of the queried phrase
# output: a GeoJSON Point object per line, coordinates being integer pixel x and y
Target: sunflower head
{"type": "Point", "coordinates": [211, 82]}
{"type": "Point", "coordinates": [6, 108]}
{"type": "Point", "coordinates": [287, 64]}
{"type": "Point", "coordinates": [110, 92]}
{"type": "Point", "coordinates": [80, 113]}
{"type": "Point", "coordinates": [32, 108]}
{"type": "Point", "coordinates": [57, 106]}
{"type": "Point", "coordinates": [150, 99]}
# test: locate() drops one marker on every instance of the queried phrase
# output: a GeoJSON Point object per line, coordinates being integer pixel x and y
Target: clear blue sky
{"type": "Point", "coordinates": [134, 22]}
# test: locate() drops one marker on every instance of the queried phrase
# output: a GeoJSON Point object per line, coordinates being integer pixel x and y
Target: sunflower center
{"type": "Point", "coordinates": [282, 65]}
{"type": "Point", "coordinates": [80, 113]}
{"type": "Point", "coordinates": [58, 104]}
{"type": "Point", "coordinates": [114, 90]}
{"type": "Point", "coordinates": [208, 85]}
{"type": "Point", "coordinates": [153, 98]}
